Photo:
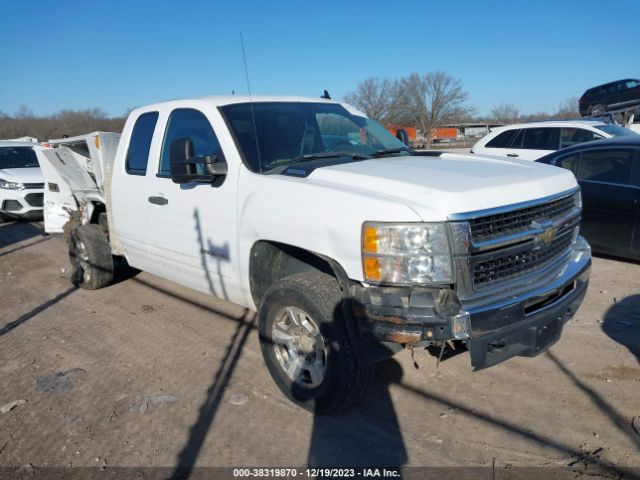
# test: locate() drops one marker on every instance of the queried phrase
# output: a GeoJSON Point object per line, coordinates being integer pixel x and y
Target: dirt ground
{"type": "Point", "coordinates": [147, 373]}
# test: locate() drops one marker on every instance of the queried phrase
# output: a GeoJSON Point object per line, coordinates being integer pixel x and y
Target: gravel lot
{"type": "Point", "coordinates": [147, 373]}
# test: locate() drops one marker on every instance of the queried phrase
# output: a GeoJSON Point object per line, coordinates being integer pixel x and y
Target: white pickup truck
{"type": "Point", "coordinates": [349, 245]}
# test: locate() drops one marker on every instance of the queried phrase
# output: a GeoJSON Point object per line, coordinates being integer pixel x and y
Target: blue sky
{"type": "Point", "coordinates": [121, 54]}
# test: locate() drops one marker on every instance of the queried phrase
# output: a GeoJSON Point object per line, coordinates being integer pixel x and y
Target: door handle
{"type": "Point", "coordinates": [513, 155]}
{"type": "Point", "coordinates": [158, 200]}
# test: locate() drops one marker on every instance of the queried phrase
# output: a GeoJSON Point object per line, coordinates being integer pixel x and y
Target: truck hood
{"type": "Point", "coordinates": [22, 175]}
{"type": "Point", "coordinates": [437, 187]}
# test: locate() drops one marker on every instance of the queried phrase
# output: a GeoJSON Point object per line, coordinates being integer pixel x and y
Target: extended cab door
{"type": "Point", "coordinates": [191, 228]}
{"type": "Point", "coordinates": [129, 184]}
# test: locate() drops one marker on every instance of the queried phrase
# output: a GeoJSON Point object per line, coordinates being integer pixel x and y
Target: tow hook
{"type": "Point", "coordinates": [497, 346]}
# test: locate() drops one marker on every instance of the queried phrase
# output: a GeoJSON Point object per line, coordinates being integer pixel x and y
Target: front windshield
{"type": "Point", "coordinates": [18, 157]}
{"type": "Point", "coordinates": [616, 130]}
{"type": "Point", "coordinates": [291, 132]}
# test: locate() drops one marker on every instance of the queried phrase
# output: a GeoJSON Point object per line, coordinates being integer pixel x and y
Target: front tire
{"type": "Point", "coordinates": [597, 109]}
{"type": "Point", "coordinates": [90, 256]}
{"type": "Point", "coordinates": [305, 345]}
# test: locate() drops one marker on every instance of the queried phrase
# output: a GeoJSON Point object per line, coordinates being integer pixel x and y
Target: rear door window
{"type": "Point", "coordinates": [607, 166]}
{"type": "Point", "coordinates": [517, 140]}
{"type": "Point", "coordinates": [541, 138]}
{"type": "Point", "coordinates": [574, 136]}
{"type": "Point", "coordinates": [503, 140]}
{"type": "Point", "coordinates": [140, 143]}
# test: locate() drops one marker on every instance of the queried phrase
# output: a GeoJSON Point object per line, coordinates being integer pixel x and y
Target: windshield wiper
{"type": "Point", "coordinates": [313, 156]}
{"type": "Point", "coordinates": [321, 155]}
{"type": "Point", "coordinates": [390, 151]}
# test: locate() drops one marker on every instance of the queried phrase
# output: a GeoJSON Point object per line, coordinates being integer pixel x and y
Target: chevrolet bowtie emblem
{"type": "Point", "coordinates": [547, 236]}
{"type": "Point", "coordinates": [548, 232]}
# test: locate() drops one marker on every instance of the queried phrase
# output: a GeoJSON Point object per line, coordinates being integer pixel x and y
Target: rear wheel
{"type": "Point", "coordinates": [305, 344]}
{"type": "Point", "coordinates": [90, 256]}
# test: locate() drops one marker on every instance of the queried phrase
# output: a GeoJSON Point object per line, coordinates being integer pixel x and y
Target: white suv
{"type": "Point", "coordinates": [530, 141]}
{"type": "Point", "coordinates": [21, 181]}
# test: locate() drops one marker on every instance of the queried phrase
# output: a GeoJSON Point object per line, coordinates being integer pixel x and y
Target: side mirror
{"type": "Point", "coordinates": [186, 168]}
{"type": "Point", "coordinates": [403, 136]}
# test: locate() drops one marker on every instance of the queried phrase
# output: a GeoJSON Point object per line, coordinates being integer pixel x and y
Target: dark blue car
{"type": "Point", "coordinates": [608, 172]}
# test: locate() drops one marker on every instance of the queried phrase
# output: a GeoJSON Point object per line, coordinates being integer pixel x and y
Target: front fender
{"type": "Point", "coordinates": [316, 218]}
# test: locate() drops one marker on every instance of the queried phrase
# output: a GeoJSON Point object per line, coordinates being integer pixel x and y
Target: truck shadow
{"type": "Point", "coordinates": [190, 452]}
{"type": "Point", "coordinates": [616, 418]}
{"type": "Point", "coordinates": [220, 253]}
{"type": "Point", "coordinates": [122, 271]}
{"type": "Point", "coordinates": [588, 463]}
{"type": "Point", "coordinates": [368, 434]}
{"type": "Point", "coordinates": [622, 324]}
{"type": "Point", "coordinates": [198, 432]}
{"type": "Point", "coordinates": [364, 435]}
{"type": "Point", "coordinates": [245, 323]}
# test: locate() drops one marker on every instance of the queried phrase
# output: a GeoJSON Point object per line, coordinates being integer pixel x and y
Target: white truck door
{"type": "Point", "coordinates": [131, 176]}
{"type": "Point", "coordinates": [192, 227]}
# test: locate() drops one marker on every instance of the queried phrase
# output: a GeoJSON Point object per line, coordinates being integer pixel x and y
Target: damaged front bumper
{"type": "Point", "coordinates": [511, 325]}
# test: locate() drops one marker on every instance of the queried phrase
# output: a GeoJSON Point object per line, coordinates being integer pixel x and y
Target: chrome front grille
{"type": "Point", "coordinates": [509, 265]}
{"type": "Point", "coordinates": [33, 186]}
{"type": "Point", "coordinates": [509, 223]}
{"type": "Point", "coordinates": [499, 248]}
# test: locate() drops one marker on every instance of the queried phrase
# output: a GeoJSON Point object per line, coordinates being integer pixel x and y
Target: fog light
{"type": "Point", "coordinates": [11, 205]}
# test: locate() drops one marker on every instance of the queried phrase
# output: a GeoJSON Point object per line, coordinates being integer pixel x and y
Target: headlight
{"type": "Point", "coordinates": [11, 185]}
{"type": "Point", "coordinates": [406, 254]}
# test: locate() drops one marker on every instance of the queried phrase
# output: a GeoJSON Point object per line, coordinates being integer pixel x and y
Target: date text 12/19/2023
{"type": "Point", "coordinates": [315, 473]}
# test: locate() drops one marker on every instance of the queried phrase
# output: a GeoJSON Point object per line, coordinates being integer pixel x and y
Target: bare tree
{"type": "Point", "coordinates": [535, 117]}
{"type": "Point", "coordinates": [374, 97]}
{"type": "Point", "coordinates": [505, 113]}
{"type": "Point", "coordinates": [24, 112]}
{"type": "Point", "coordinates": [66, 122]}
{"type": "Point", "coordinates": [431, 100]}
{"type": "Point", "coordinates": [568, 109]}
